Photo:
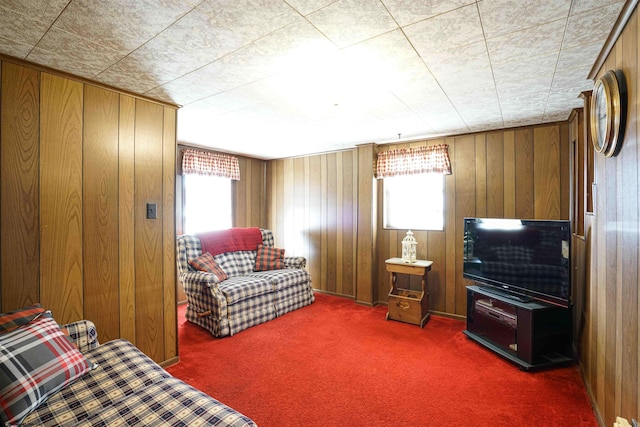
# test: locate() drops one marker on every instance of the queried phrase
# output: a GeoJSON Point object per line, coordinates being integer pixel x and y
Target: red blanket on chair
{"type": "Point", "coordinates": [233, 239]}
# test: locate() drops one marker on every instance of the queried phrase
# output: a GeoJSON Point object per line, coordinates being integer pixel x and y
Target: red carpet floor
{"type": "Point", "coordinates": [335, 363]}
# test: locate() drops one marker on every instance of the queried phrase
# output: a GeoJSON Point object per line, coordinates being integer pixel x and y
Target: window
{"type": "Point", "coordinates": [414, 202]}
{"type": "Point", "coordinates": [207, 203]}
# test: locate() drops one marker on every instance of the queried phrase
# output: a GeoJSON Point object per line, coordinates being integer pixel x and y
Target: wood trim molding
{"type": "Point", "coordinates": [69, 76]}
{"type": "Point", "coordinates": [623, 18]}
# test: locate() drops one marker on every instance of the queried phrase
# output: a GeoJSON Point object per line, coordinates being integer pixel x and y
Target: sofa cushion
{"type": "Point", "coordinates": [205, 262]}
{"type": "Point", "coordinates": [268, 258]}
{"type": "Point", "coordinates": [37, 360]}
{"type": "Point", "coordinates": [122, 370]}
{"type": "Point", "coordinates": [168, 402]}
{"type": "Point", "coordinates": [281, 279]}
{"type": "Point", "coordinates": [240, 288]}
{"type": "Point", "coordinates": [16, 318]}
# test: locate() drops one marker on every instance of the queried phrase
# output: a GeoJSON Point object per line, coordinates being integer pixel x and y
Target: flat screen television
{"type": "Point", "coordinates": [525, 259]}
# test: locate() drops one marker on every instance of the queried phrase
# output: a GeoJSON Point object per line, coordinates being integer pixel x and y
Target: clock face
{"type": "Point", "coordinates": [600, 117]}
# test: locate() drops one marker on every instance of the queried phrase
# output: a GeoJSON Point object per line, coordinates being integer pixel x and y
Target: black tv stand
{"type": "Point", "coordinates": [531, 334]}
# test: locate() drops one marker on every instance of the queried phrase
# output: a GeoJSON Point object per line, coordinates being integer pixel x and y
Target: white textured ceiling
{"type": "Point", "coordinates": [279, 78]}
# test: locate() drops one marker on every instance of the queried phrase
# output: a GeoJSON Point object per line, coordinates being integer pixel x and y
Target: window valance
{"type": "Point", "coordinates": [431, 159]}
{"type": "Point", "coordinates": [199, 162]}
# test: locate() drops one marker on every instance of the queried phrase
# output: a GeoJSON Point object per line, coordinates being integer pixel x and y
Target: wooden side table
{"type": "Point", "coordinates": [407, 305]}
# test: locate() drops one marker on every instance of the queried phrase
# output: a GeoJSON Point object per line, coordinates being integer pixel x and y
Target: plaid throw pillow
{"type": "Point", "coordinates": [205, 262]}
{"type": "Point", "coordinates": [269, 258]}
{"type": "Point", "coordinates": [15, 319]}
{"type": "Point", "coordinates": [37, 361]}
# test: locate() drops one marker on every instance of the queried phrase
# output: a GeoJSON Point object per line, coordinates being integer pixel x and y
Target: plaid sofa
{"type": "Point", "coordinates": [247, 297]}
{"type": "Point", "coordinates": [128, 388]}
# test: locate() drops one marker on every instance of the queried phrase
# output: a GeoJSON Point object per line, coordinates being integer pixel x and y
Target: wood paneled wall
{"type": "Point", "coordinates": [312, 209]}
{"type": "Point", "coordinates": [325, 207]}
{"type": "Point", "coordinates": [78, 164]}
{"type": "Point", "coordinates": [610, 345]}
{"type": "Point", "coordinates": [520, 173]}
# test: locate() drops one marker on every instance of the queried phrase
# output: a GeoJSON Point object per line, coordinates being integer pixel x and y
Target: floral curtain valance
{"type": "Point", "coordinates": [431, 159]}
{"type": "Point", "coordinates": [198, 162]}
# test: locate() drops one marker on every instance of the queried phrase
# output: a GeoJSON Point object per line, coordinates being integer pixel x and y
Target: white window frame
{"type": "Point", "coordinates": [207, 203]}
{"type": "Point", "coordinates": [414, 202]}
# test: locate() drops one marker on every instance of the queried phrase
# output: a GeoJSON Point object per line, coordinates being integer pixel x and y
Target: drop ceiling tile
{"type": "Point", "coordinates": [14, 48]}
{"type": "Point", "coordinates": [189, 44]}
{"type": "Point", "coordinates": [132, 75]}
{"type": "Point", "coordinates": [449, 30]}
{"type": "Point", "coordinates": [527, 69]}
{"type": "Point", "coordinates": [500, 17]}
{"type": "Point", "coordinates": [536, 41]}
{"type": "Point", "coordinates": [579, 57]}
{"type": "Point", "coordinates": [407, 12]}
{"type": "Point", "coordinates": [588, 5]}
{"type": "Point", "coordinates": [305, 7]}
{"type": "Point", "coordinates": [240, 97]}
{"type": "Point", "coordinates": [23, 29]}
{"type": "Point", "coordinates": [346, 22]}
{"type": "Point", "coordinates": [571, 80]}
{"type": "Point", "coordinates": [391, 61]}
{"type": "Point", "coordinates": [68, 52]}
{"type": "Point", "coordinates": [524, 103]}
{"type": "Point", "coordinates": [183, 90]}
{"type": "Point", "coordinates": [523, 88]}
{"type": "Point", "coordinates": [247, 20]}
{"type": "Point", "coordinates": [44, 11]}
{"type": "Point", "coordinates": [591, 27]}
{"type": "Point", "coordinates": [468, 58]}
{"type": "Point", "coordinates": [121, 25]}
{"type": "Point", "coordinates": [447, 123]}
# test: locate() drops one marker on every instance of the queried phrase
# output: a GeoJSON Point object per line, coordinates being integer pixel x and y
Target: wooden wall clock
{"type": "Point", "coordinates": [608, 112]}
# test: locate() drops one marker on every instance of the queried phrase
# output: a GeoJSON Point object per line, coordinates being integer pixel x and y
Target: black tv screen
{"type": "Point", "coordinates": [527, 258]}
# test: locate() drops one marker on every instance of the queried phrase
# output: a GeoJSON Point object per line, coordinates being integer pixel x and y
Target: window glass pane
{"type": "Point", "coordinates": [207, 203]}
{"type": "Point", "coordinates": [414, 202]}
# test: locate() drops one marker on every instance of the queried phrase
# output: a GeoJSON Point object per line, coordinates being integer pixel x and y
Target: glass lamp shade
{"type": "Point", "coordinates": [409, 247]}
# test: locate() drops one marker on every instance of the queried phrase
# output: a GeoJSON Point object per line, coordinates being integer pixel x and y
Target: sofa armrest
{"type": "Point", "coordinates": [295, 262]}
{"type": "Point", "coordinates": [193, 281]}
{"type": "Point", "coordinates": [84, 334]}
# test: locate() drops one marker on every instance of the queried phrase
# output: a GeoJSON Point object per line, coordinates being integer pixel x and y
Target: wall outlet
{"type": "Point", "coordinates": [152, 210]}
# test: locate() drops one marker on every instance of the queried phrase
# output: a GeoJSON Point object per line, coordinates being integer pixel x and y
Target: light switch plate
{"type": "Point", "coordinates": [152, 210]}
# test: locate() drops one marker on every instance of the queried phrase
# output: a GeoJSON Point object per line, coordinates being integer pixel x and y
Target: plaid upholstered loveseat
{"type": "Point", "coordinates": [246, 297]}
{"type": "Point", "coordinates": [46, 381]}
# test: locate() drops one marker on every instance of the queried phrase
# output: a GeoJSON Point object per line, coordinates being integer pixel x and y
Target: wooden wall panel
{"type": "Point", "coordinates": [100, 210]}
{"type": "Point", "coordinates": [126, 226]}
{"type": "Point", "coordinates": [19, 186]}
{"type": "Point", "coordinates": [319, 197]}
{"type": "Point", "coordinates": [546, 172]}
{"type": "Point", "coordinates": [450, 227]}
{"type": "Point", "coordinates": [495, 177]}
{"type": "Point", "coordinates": [628, 318]}
{"type": "Point", "coordinates": [167, 213]}
{"type": "Point", "coordinates": [465, 190]}
{"type": "Point", "coordinates": [68, 176]}
{"type": "Point", "coordinates": [481, 174]}
{"type": "Point", "coordinates": [611, 345]}
{"type": "Point", "coordinates": [509, 168]}
{"type": "Point", "coordinates": [61, 260]}
{"type": "Point", "coordinates": [148, 232]}
{"type": "Point", "coordinates": [524, 195]}
{"type": "Point", "coordinates": [249, 194]}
